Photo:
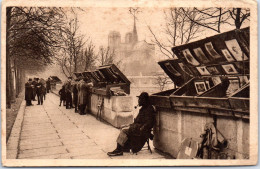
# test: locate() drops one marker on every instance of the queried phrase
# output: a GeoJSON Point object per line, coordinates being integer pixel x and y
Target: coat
{"type": "Point", "coordinates": [48, 84]}
{"type": "Point", "coordinates": [145, 119]}
{"type": "Point", "coordinates": [83, 93]}
{"type": "Point", "coordinates": [62, 93]}
{"type": "Point", "coordinates": [28, 91]}
{"type": "Point", "coordinates": [39, 88]}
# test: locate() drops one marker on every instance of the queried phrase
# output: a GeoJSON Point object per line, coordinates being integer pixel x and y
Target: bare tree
{"type": "Point", "coordinates": [214, 18]}
{"type": "Point", "coordinates": [89, 57]}
{"type": "Point", "coordinates": [179, 29]}
{"type": "Point", "coordinates": [73, 44]}
{"type": "Point", "coordinates": [31, 33]}
{"type": "Point", "coordinates": [162, 80]}
{"type": "Point", "coordinates": [107, 56]}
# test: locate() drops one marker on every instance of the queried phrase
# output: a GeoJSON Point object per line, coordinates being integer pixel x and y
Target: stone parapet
{"type": "Point", "coordinates": [116, 110]}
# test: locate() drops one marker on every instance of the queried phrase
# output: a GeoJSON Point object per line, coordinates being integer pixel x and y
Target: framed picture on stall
{"type": "Point", "coordinates": [203, 70]}
{"type": "Point", "coordinates": [216, 80]}
{"type": "Point", "coordinates": [200, 87]}
{"type": "Point", "coordinates": [210, 49]}
{"type": "Point", "coordinates": [230, 69]}
{"type": "Point", "coordinates": [190, 59]}
{"type": "Point", "coordinates": [171, 69]}
{"type": "Point", "coordinates": [235, 49]}
{"type": "Point", "coordinates": [213, 70]}
{"type": "Point", "coordinates": [200, 55]}
{"type": "Point", "coordinates": [227, 55]}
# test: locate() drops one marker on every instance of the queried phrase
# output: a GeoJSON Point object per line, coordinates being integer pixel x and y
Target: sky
{"type": "Point", "coordinates": [97, 22]}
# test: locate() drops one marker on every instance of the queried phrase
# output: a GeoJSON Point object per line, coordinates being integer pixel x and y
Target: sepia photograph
{"type": "Point", "coordinates": [136, 83]}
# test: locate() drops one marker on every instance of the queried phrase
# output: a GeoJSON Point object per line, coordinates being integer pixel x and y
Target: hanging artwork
{"type": "Point", "coordinates": [213, 70]}
{"type": "Point", "coordinates": [203, 70]}
{"type": "Point", "coordinates": [230, 69]}
{"type": "Point", "coordinates": [243, 80]}
{"type": "Point", "coordinates": [171, 69]}
{"type": "Point", "coordinates": [207, 84]}
{"type": "Point", "coordinates": [233, 86]}
{"type": "Point", "coordinates": [235, 50]}
{"type": "Point", "coordinates": [200, 87]}
{"type": "Point", "coordinates": [210, 49]}
{"type": "Point", "coordinates": [227, 55]}
{"type": "Point", "coordinates": [216, 80]}
{"type": "Point", "coordinates": [190, 59]}
{"type": "Point", "coordinates": [185, 69]}
{"type": "Point", "coordinates": [200, 55]}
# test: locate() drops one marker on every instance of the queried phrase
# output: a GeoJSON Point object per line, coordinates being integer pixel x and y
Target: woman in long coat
{"type": "Point", "coordinates": [83, 96]}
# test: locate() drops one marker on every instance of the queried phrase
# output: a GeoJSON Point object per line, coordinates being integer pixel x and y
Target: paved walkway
{"type": "Point", "coordinates": [52, 132]}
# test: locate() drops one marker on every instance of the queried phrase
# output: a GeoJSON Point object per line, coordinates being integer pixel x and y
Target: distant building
{"type": "Point", "coordinates": [138, 61]}
{"type": "Point", "coordinates": [137, 57]}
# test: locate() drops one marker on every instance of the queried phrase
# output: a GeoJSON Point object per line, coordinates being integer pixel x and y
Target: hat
{"type": "Point", "coordinates": [70, 77]}
{"type": "Point", "coordinates": [144, 95]}
{"type": "Point", "coordinates": [30, 79]}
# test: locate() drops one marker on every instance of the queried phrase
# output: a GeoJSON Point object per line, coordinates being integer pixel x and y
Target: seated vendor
{"type": "Point", "coordinates": [136, 135]}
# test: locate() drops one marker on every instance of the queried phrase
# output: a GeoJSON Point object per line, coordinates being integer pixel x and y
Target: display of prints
{"type": "Point", "coordinates": [210, 49]}
{"type": "Point", "coordinates": [200, 87]}
{"type": "Point", "coordinates": [207, 84]}
{"type": "Point", "coordinates": [216, 80]}
{"type": "Point", "coordinates": [235, 50]}
{"type": "Point", "coordinates": [190, 59]}
{"type": "Point", "coordinates": [171, 69]}
{"type": "Point", "coordinates": [213, 70]}
{"type": "Point", "coordinates": [227, 55]}
{"type": "Point", "coordinates": [233, 86]}
{"type": "Point", "coordinates": [185, 69]}
{"type": "Point", "coordinates": [243, 80]}
{"type": "Point", "coordinates": [230, 69]}
{"type": "Point", "coordinates": [200, 55]}
{"type": "Point", "coordinates": [203, 70]}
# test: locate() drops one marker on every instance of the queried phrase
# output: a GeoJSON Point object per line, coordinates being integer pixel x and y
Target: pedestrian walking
{"type": "Point", "coordinates": [62, 94]}
{"type": "Point", "coordinates": [137, 134]}
{"type": "Point", "coordinates": [48, 85]}
{"type": "Point", "coordinates": [68, 90]}
{"type": "Point", "coordinates": [28, 92]}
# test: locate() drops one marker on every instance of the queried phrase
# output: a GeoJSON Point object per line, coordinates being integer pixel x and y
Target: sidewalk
{"type": "Point", "coordinates": [52, 132]}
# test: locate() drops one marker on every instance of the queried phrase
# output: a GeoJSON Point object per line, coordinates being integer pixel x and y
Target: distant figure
{"type": "Point", "coordinates": [83, 95]}
{"type": "Point", "coordinates": [75, 94]}
{"type": "Point", "coordinates": [136, 135]}
{"type": "Point", "coordinates": [62, 94]}
{"type": "Point", "coordinates": [68, 90]}
{"type": "Point", "coordinates": [39, 92]}
{"type": "Point", "coordinates": [28, 92]}
{"type": "Point", "coordinates": [34, 82]}
{"type": "Point", "coordinates": [48, 85]}
{"type": "Point", "coordinates": [44, 91]}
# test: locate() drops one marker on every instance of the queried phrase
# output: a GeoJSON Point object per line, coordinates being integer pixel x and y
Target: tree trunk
{"type": "Point", "coordinates": [237, 21]}
{"type": "Point", "coordinates": [8, 61]}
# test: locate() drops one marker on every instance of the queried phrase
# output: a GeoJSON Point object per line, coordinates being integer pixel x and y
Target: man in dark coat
{"type": "Point", "coordinates": [68, 90]}
{"type": "Point", "coordinates": [48, 85]}
{"type": "Point", "coordinates": [34, 82]}
{"type": "Point", "coordinates": [28, 92]}
{"type": "Point", "coordinates": [39, 92]}
{"type": "Point", "coordinates": [136, 135]}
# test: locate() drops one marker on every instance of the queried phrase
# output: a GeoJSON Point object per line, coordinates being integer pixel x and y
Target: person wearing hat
{"type": "Point", "coordinates": [29, 92]}
{"type": "Point", "coordinates": [68, 90]}
{"type": "Point", "coordinates": [48, 85]}
{"type": "Point", "coordinates": [138, 132]}
{"type": "Point", "coordinates": [39, 91]}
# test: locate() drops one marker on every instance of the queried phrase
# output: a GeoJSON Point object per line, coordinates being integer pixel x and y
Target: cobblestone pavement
{"type": "Point", "coordinates": [52, 132]}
